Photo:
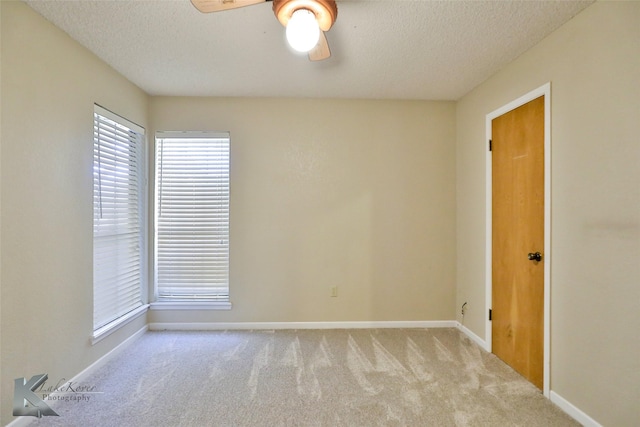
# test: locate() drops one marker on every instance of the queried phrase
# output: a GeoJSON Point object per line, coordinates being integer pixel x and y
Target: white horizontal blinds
{"type": "Point", "coordinates": [192, 218]}
{"type": "Point", "coordinates": [117, 216]}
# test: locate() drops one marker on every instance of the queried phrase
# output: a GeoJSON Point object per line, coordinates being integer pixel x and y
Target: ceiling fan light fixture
{"type": "Point", "coordinates": [303, 30]}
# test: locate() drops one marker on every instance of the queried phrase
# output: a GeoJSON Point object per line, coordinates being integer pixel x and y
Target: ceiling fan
{"type": "Point", "coordinates": [305, 20]}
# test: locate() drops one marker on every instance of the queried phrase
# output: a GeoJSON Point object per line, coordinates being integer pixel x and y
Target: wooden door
{"type": "Point", "coordinates": [518, 234]}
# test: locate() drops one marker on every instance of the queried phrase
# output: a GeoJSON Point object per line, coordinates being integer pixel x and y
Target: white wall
{"type": "Point", "coordinates": [49, 85]}
{"type": "Point", "coordinates": [593, 64]}
{"type": "Point", "coordinates": [347, 193]}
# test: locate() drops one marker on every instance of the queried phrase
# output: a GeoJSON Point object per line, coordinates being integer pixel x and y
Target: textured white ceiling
{"type": "Point", "coordinates": [436, 50]}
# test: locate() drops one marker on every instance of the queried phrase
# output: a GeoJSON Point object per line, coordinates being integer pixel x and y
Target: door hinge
{"type": "Point", "coordinates": [490, 314]}
{"type": "Point", "coordinates": [490, 145]}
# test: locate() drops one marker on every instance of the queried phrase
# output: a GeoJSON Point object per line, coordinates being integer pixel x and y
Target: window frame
{"type": "Point", "coordinates": [184, 302]}
{"type": "Point", "coordinates": [140, 306]}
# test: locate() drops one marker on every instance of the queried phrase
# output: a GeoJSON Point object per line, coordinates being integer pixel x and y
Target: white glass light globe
{"type": "Point", "coordinates": [303, 31]}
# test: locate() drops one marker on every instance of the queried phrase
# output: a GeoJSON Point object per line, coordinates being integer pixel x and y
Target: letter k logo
{"type": "Point", "coordinates": [24, 392]}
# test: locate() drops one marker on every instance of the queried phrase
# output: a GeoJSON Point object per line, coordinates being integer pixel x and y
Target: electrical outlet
{"type": "Point", "coordinates": [334, 291]}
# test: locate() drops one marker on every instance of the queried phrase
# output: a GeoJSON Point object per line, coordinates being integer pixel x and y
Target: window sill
{"type": "Point", "coordinates": [191, 305]}
{"type": "Point", "coordinates": [108, 329]}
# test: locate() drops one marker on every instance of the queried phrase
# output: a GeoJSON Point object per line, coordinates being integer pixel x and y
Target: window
{"type": "Point", "coordinates": [118, 217]}
{"type": "Point", "coordinates": [192, 216]}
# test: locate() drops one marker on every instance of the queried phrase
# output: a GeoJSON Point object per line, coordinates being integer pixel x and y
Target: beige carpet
{"type": "Point", "coordinates": [372, 377]}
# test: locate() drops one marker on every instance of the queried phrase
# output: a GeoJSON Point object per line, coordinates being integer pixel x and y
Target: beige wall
{"type": "Point", "coordinates": [1, 377]}
{"type": "Point", "coordinates": [354, 194]}
{"type": "Point", "coordinates": [49, 85]}
{"type": "Point", "coordinates": [363, 195]}
{"type": "Point", "coordinates": [593, 64]}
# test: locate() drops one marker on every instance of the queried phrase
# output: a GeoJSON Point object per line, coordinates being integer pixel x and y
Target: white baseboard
{"type": "Point", "coordinates": [573, 411]}
{"type": "Point", "coordinates": [79, 378]}
{"type": "Point", "coordinates": [104, 359]}
{"type": "Point", "coordinates": [475, 338]}
{"type": "Point", "coordinates": [301, 325]}
{"type": "Point", "coordinates": [21, 421]}
{"type": "Point", "coordinates": [561, 402]}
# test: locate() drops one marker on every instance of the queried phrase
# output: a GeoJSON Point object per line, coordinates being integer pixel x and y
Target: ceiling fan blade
{"type": "Point", "coordinates": [206, 6]}
{"type": "Point", "coordinates": [321, 51]}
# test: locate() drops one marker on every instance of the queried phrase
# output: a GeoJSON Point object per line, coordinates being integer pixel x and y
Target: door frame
{"type": "Point", "coordinates": [536, 93]}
